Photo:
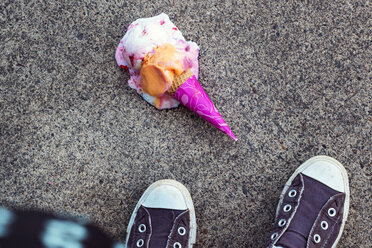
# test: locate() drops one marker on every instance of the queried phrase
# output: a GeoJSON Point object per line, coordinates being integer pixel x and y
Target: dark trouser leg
{"type": "Point", "coordinates": [33, 229]}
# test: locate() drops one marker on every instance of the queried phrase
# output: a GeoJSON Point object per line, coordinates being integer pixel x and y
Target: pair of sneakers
{"type": "Point", "coordinates": [311, 212]}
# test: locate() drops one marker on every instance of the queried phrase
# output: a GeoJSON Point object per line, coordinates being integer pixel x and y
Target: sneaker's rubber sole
{"type": "Point", "coordinates": [188, 201]}
{"type": "Point", "coordinates": [306, 164]}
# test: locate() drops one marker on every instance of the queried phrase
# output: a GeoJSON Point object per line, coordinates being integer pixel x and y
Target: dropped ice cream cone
{"type": "Point", "coordinates": [187, 90]}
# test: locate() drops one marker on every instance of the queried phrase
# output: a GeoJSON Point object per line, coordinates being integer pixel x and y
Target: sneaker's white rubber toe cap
{"type": "Point", "coordinates": [165, 195]}
{"type": "Point", "coordinates": [327, 171]}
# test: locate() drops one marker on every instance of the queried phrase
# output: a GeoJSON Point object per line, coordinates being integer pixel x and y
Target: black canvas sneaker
{"type": "Point", "coordinates": [313, 206]}
{"type": "Point", "coordinates": [163, 218]}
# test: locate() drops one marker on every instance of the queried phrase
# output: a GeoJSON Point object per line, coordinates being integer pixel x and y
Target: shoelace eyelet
{"type": "Point", "coordinates": [274, 236]}
{"type": "Point", "coordinates": [282, 222]}
{"type": "Point", "coordinates": [142, 228]}
{"type": "Point", "coordinates": [292, 193]}
{"type": "Point", "coordinates": [140, 243]}
{"type": "Point", "coordinates": [181, 231]}
{"type": "Point", "coordinates": [324, 225]}
{"type": "Point", "coordinates": [332, 212]}
{"type": "Point", "coordinates": [317, 238]}
{"type": "Point", "coordinates": [287, 208]}
{"type": "Point", "coordinates": [177, 245]}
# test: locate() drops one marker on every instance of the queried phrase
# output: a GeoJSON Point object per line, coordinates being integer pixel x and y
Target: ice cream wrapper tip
{"type": "Point", "coordinates": [193, 96]}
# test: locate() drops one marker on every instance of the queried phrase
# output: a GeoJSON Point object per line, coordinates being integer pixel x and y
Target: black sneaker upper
{"type": "Point", "coordinates": [157, 228]}
{"type": "Point", "coordinates": [310, 215]}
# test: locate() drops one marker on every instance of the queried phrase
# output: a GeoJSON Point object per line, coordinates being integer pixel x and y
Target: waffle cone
{"type": "Point", "coordinates": [187, 90]}
{"type": "Point", "coordinates": [179, 80]}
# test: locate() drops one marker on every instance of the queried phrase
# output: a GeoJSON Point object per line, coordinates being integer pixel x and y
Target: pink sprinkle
{"type": "Point", "coordinates": [144, 32]}
{"type": "Point", "coordinates": [121, 42]}
{"type": "Point", "coordinates": [50, 183]}
{"type": "Point", "coordinates": [175, 28]}
{"type": "Point", "coordinates": [124, 67]}
{"type": "Point", "coordinates": [131, 58]}
{"type": "Point", "coordinates": [162, 22]}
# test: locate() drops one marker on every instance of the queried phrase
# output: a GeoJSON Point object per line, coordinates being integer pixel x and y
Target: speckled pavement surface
{"type": "Point", "coordinates": [291, 79]}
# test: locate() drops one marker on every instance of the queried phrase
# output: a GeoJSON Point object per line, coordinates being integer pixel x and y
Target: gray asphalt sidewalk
{"type": "Point", "coordinates": [292, 80]}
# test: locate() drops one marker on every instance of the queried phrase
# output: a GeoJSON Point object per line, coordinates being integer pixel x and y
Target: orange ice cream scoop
{"type": "Point", "coordinates": [158, 69]}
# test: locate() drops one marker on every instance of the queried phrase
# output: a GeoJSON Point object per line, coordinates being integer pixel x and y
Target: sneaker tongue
{"type": "Point", "coordinates": [314, 196]}
{"type": "Point", "coordinates": [162, 222]}
{"type": "Point", "coordinates": [291, 239]}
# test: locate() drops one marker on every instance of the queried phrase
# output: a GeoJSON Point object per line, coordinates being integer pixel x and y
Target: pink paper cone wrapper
{"type": "Point", "coordinates": [193, 96]}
